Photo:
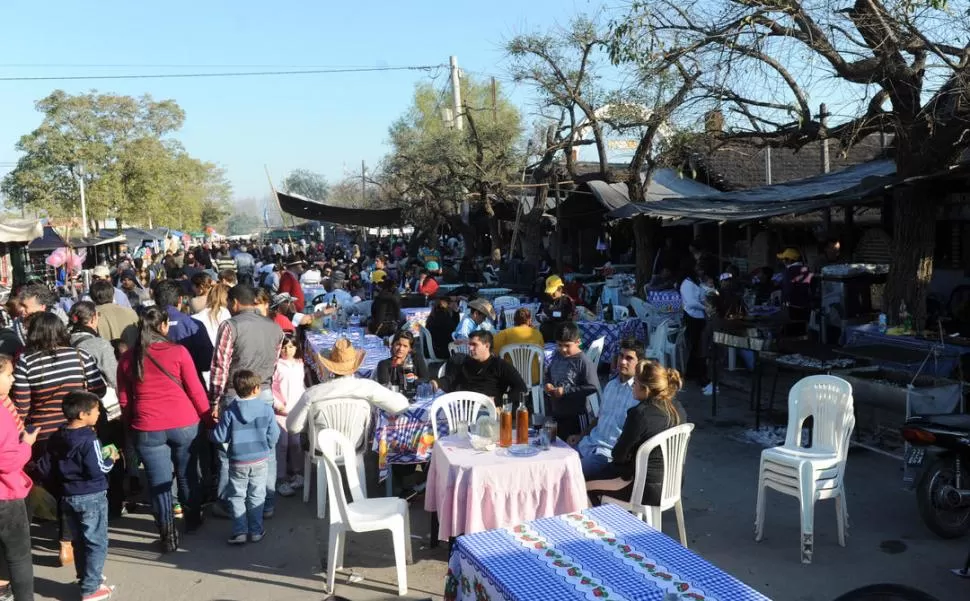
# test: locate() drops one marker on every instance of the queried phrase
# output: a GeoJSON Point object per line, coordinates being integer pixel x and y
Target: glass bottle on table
{"type": "Point", "coordinates": [505, 426]}
{"type": "Point", "coordinates": [522, 423]}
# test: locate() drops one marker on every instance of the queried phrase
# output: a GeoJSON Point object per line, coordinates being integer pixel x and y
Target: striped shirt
{"type": "Point", "coordinates": [42, 379]}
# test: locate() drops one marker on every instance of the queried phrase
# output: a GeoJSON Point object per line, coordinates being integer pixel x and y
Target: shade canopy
{"type": "Point", "coordinates": [21, 230]}
{"type": "Point", "coordinates": [300, 206]}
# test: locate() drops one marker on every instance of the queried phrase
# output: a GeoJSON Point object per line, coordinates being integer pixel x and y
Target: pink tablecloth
{"type": "Point", "coordinates": [474, 491]}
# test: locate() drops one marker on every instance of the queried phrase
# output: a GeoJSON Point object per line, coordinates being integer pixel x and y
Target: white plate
{"type": "Point", "coordinates": [523, 450]}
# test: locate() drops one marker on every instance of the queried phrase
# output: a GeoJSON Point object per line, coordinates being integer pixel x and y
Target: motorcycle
{"type": "Point", "coordinates": [942, 442]}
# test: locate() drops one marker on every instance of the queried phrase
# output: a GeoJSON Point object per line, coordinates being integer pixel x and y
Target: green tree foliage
{"type": "Point", "coordinates": [241, 224]}
{"type": "Point", "coordinates": [307, 183]}
{"type": "Point", "coordinates": [433, 166]}
{"type": "Point", "coordinates": [132, 168]}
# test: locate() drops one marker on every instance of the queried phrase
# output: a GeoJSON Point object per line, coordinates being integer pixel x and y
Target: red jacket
{"type": "Point", "coordinates": [14, 455]}
{"type": "Point", "coordinates": [291, 284]}
{"type": "Point", "coordinates": [157, 402]}
{"type": "Point", "coordinates": [428, 287]}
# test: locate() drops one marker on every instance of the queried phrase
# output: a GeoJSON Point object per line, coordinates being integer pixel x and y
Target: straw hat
{"type": "Point", "coordinates": [344, 359]}
{"type": "Point", "coordinates": [553, 283]}
{"type": "Point", "coordinates": [789, 253]}
{"type": "Point", "coordinates": [483, 306]}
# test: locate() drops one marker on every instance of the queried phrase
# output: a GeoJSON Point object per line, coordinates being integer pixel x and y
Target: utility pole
{"type": "Point", "coordinates": [456, 93]}
{"type": "Point", "coordinates": [84, 205]}
{"type": "Point", "coordinates": [363, 183]}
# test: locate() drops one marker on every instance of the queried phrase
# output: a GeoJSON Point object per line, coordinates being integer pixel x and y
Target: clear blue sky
{"type": "Point", "coordinates": [326, 123]}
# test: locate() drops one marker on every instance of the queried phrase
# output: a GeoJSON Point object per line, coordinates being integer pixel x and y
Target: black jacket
{"type": "Point", "coordinates": [440, 325]}
{"type": "Point", "coordinates": [642, 422]}
{"type": "Point", "coordinates": [384, 368]}
{"type": "Point", "coordinates": [493, 377]}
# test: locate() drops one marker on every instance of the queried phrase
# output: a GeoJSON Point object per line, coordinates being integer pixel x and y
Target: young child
{"type": "Point", "coordinates": [75, 459]}
{"type": "Point", "coordinates": [288, 387]}
{"type": "Point", "coordinates": [14, 486]}
{"type": "Point", "coordinates": [248, 426]}
{"type": "Point", "coordinates": [570, 378]}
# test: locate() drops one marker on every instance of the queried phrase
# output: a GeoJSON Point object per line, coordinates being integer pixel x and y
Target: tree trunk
{"type": "Point", "coordinates": [913, 241]}
{"type": "Point", "coordinates": [531, 228]}
{"type": "Point", "coordinates": [646, 237]}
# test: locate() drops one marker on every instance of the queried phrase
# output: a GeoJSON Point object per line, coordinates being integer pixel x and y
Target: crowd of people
{"type": "Point", "coordinates": [179, 377]}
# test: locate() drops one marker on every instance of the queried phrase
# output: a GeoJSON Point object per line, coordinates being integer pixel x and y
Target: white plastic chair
{"type": "Point", "coordinates": [595, 350]}
{"type": "Point", "coordinates": [460, 407]}
{"type": "Point", "coordinates": [640, 308]}
{"type": "Point", "coordinates": [656, 350]}
{"type": "Point", "coordinates": [508, 316]}
{"type": "Point", "coordinates": [811, 473]}
{"type": "Point", "coordinates": [350, 417]}
{"type": "Point", "coordinates": [458, 347]}
{"type": "Point", "coordinates": [620, 313]}
{"type": "Point", "coordinates": [428, 344]}
{"type": "Point", "coordinates": [505, 301]}
{"type": "Point", "coordinates": [672, 443]}
{"type": "Point", "coordinates": [674, 346]}
{"type": "Point", "coordinates": [361, 514]}
{"type": "Point", "coordinates": [525, 358]}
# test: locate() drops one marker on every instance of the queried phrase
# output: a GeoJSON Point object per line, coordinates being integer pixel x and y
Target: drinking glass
{"type": "Point", "coordinates": [551, 428]}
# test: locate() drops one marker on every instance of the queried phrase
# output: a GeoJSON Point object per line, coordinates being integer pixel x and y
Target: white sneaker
{"type": "Point", "coordinates": [708, 390]}
{"type": "Point", "coordinates": [296, 482]}
{"type": "Point", "coordinates": [285, 490]}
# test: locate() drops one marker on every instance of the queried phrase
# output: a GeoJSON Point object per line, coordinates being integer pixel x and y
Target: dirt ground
{"type": "Point", "coordinates": [887, 542]}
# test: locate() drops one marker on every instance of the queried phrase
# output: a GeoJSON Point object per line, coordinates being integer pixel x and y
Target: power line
{"type": "Point", "coordinates": [182, 66]}
{"type": "Point", "coordinates": [226, 74]}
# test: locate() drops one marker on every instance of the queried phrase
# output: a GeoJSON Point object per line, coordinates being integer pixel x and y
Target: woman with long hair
{"type": "Point", "coordinates": [216, 310]}
{"type": "Point", "coordinates": [163, 401]}
{"type": "Point", "coordinates": [656, 388]}
{"type": "Point", "coordinates": [46, 371]}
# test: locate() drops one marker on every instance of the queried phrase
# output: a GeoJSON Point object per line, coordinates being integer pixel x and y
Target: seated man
{"type": "Point", "coordinates": [480, 313]}
{"type": "Point", "coordinates": [595, 444]}
{"type": "Point", "coordinates": [481, 371]}
{"type": "Point", "coordinates": [570, 378]}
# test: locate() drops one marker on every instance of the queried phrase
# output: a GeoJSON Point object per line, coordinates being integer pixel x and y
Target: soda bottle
{"type": "Point", "coordinates": [522, 424]}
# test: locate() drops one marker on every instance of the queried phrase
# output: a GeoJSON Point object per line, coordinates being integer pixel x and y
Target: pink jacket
{"type": "Point", "coordinates": [14, 455]}
{"type": "Point", "coordinates": [287, 386]}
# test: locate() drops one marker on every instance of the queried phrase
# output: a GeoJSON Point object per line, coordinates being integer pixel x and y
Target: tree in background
{"type": "Point", "coordinates": [896, 66]}
{"type": "Point", "coordinates": [308, 184]}
{"type": "Point", "coordinates": [122, 147]}
{"type": "Point", "coordinates": [433, 167]}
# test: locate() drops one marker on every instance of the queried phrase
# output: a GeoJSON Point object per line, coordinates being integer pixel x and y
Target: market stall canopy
{"type": "Point", "coordinates": [850, 185]}
{"type": "Point", "coordinates": [300, 206]}
{"type": "Point", "coordinates": [52, 240]}
{"type": "Point", "coordinates": [21, 230]}
{"type": "Point", "coordinates": [615, 200]}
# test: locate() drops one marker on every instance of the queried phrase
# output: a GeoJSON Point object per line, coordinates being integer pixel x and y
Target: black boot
{"type": "Point", "coordinates": [193, 520]}
{"type": "Point", "coordinates": [170, 537]}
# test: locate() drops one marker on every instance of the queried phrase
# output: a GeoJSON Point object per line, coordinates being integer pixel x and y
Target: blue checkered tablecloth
{"type": "Point", "coordinates": [406, 438]}
{"type": "Point", "coordinates": [665, 301]}
{"type": "Point", "coordinates": [614, 332]}
{"type": "Point", "coordinates": [416, 316]}
{"type": "Point", "coordinates": [602, 552]}
{"type": "Point", "coordinates": [321, 342]}
{"type": "Point", "coordinates": [311, 291]}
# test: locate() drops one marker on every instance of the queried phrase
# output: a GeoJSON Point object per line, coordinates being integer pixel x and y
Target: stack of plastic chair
{"type": "Point", "coordinates": [361, 514]}
{"type": "Point", "coordinates": [816, 472]}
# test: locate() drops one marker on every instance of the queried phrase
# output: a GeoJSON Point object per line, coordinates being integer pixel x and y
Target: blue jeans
{"type": "Point", "coordinates": [88, 516]}
{"type": "Point", "coordinates": [163, 452]}
{"type": "Point", "coordinates": [597, 467]}
{"type": "Point", "coordinates": [223, 485]}
{"type": "Point", "coordinates": [247, 495]}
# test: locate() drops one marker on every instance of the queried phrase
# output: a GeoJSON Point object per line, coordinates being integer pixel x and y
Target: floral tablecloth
{"type": "Point", "coordinates": [373, 346]}
{"type": "Point", "coordinates": [406, 438]}
{"type": "Point", "coordinates": [598, 553]}
{"type": "Point", "coordinates": [614, 331]}
{"type": "Point", "coordinates": [473, 491]}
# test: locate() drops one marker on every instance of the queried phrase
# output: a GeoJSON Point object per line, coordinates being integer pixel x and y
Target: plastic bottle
{"type": "Point", "coordinates": [522, 424]}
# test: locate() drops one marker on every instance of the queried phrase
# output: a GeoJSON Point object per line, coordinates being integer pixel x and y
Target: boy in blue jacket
{"type": "Point", "coordinates": [75, 459]}
{"type": "Point", "coordinates": [249, 427]}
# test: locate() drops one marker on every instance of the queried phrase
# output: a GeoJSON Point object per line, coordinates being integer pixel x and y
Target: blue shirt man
{"type": "Point", "coordinates": [595, 445]}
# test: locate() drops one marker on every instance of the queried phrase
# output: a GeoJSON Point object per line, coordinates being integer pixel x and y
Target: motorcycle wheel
{"type": "Point", "coordinates": [945, 523]}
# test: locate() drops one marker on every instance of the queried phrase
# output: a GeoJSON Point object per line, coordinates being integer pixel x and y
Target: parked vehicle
{"type": "Point", "coordinates": [940, 455]}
